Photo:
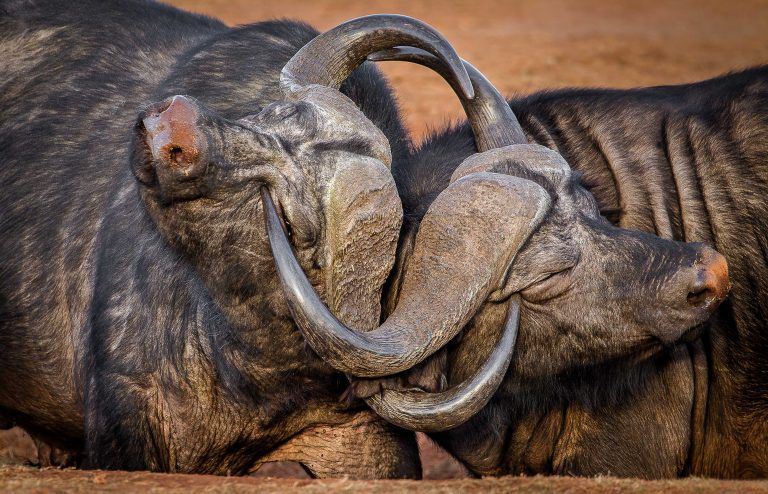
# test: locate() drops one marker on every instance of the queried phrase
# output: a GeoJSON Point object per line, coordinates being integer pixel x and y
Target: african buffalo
{"type": "Point", "coordinates": [142, 322]}
{"type": "Point", "coordinates": [687, 163]}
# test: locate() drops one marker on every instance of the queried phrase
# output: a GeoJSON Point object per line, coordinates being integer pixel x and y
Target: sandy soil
{"type": "Point", "coordinates": [522, 46]}
{"type": "Point", "coordinates": [527, 45]}
{"type": "Point", "coordinates": [44, 481]}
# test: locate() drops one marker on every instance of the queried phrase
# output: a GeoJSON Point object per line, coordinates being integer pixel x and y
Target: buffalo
{"type": "Point", "coordinates": [142, 323]}
{"type": "Point", "coordinates": [665, 165]}
{"type": "Point", "coordinates": [141, 312]}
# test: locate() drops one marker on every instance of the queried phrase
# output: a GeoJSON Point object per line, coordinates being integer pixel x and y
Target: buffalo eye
{"type": "Point", "coordinates": [549, 286]}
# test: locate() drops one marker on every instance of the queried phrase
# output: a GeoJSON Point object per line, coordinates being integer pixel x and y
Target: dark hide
{"type": "Point", "coordinates": [111, 341]}
{"type": "Point", "coordinates": [688, 163]}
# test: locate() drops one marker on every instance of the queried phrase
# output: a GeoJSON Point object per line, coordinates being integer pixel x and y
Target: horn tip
{"type": "Point", "coordinates": [395, 54]}
{"type": "Point", "coordinates": [466, 86]}
{"type": "Point", "coordinates": [379, 56]}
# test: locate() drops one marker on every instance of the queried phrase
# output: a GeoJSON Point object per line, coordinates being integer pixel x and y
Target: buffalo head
{"type": "Point", "coordinates": [313, 156]}
{"type": "Point", "coordinates": [514, 235]}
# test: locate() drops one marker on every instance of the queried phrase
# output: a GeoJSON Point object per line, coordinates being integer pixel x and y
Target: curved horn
{"type": "Point", "coordinates": [493, 121]}
{"type": "Point", "coordinates": [331, 57]}
{"type": "Point", "coordinates": [467, 239]}
{"type": "Point", "coordinates": [404, 340]}
{"type": "Point", "coordinates": [494, 126]}
{"type": "Point", "coordinates": [434, 412]}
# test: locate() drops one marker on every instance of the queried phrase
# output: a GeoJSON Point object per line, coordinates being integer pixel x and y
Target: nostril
{"type": "Point", "coordinates": [176, 155]}
{"type": "Point", "coordinates": [700, 295]}
{"type": "Point", "coordinates": [710, 284]}
{"type": "Point", "coordinates": [174, 134]}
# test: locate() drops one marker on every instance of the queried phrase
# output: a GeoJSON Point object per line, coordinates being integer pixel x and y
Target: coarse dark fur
{"type": "Point", "coordinates": [688, 163]}
{"type": "Point", "coordinates": [112, 343]}
{"type": "Point", "coordinates": [134, 358]}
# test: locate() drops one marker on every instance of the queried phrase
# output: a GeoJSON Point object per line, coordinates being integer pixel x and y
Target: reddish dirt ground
{"type": "Point", "coordinates": [527, 45]}
{"type": "Point", "coordinates": [521, 46]}
{"type": "Point", "coordinates": [30, 480]}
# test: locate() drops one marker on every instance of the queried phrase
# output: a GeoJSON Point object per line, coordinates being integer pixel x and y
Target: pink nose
{"type": "Point", "coordinates": [710, 285]}
{"type": "Point", "coordinates": [172, 133]}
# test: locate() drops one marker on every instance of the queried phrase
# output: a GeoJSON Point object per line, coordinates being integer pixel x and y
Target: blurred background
{"type": "Point", "coordinates": [524, 46]}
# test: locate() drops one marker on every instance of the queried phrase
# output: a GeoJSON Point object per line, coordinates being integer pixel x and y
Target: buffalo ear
{"type": "Point", "coordinates": [171, 149]}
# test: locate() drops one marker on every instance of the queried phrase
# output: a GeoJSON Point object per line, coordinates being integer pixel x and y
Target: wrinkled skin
{"type": "Point", "coordinates": [207, 338]}
{"type": "Point", "coordinates": [467, 248]}
{"type": "Point", "coordinates": [609, 292]}
{"type": "Point", "coordinates": [656, 161]}
{"type": "Point", "coordinates": [141, 319]}
{"type": "Point", "coordinates": [304, 152]}
{"type": "Point", "coordinates": [592, 293]}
